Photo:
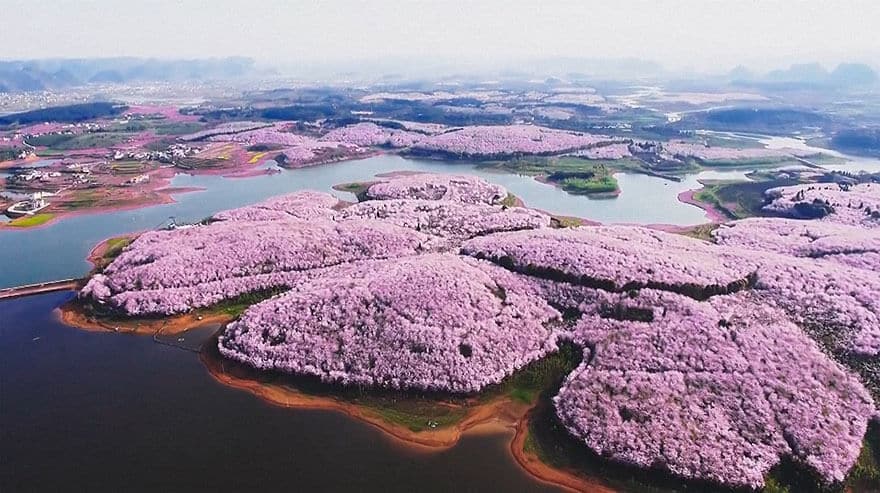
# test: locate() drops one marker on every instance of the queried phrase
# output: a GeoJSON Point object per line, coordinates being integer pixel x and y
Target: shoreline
{"type": "Point", "coordinates": [544, 472]}
{"type": "Point", "coordinates": [162, 189]}
{"type": "Point", "coordinates": [496, 414]}
{"type": "Point", "coordinates": [96, 254]}
{"type": "Point", "coordinates": [74, 316]}
{"type": "Point", "coordinates": [499, 410]}
{"type": "Point", "coordinates": [714, 214]}
{"type": "Point", "coordinates": [165, 192]}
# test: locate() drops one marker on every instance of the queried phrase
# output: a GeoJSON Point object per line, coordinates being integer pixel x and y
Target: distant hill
{"type": "Point", "coordinates": [852, 74]}
{"type": "Point", "coordinates": [861, 141]}
{"type": "Point", "coordinates": [757, 119]}
{"type": "Point", "coordinates": [740, 73]}
{"type": "Point", "coordinates": [36, 75]}
{"type": "Point", "coordinates": [810, 75]}
{"type": "Point", "coordinates": [65, 114]}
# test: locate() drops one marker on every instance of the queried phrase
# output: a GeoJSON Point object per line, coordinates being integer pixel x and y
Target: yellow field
{"type": "Point", "coordinates": [257, 157]}
{"type": "Point", "coordinates": [31, 221]}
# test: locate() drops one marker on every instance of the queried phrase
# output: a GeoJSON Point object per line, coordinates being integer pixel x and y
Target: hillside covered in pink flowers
{"type": "Point", "coordinates": [707, 360]}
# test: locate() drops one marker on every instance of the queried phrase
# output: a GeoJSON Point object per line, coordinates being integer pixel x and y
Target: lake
{"type": "Point", "coordinates": [59, 250]}
{"type": "Point", "coordinates": [110, 412]}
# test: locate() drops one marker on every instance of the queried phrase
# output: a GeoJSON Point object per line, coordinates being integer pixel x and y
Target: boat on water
{"type": "Point", "coordinates": [29, 207]}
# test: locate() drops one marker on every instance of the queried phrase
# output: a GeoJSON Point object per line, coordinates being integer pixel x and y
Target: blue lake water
{"type": "Point", "coordinates": [58, 250]}
{"type": "Point", "coordinates": [848, 162]}
{"type": "Point", "coordinates": [109, 412]}
{"type": "Point", "coordinates": [89, 411]}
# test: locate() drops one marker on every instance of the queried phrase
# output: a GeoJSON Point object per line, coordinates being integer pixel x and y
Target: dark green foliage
{"type": "Point", "coordinates": [48, 140]}
{"type": "Point", "coordinates": [543, 376]}
{"type": "Point", "coordinates": [178, 128]}
{"type": "Point", "coordinates": [303, 112]}
{"type": "Point", "coordinates": [9, 153]}
{"type": "Point", "coordinates": [741, 199]}
{"type": "Point", "coordinates": [68, 114]}
{"type": "Point", "coordinates": [764, 117]}
{"type": "Point", "coordinates": [596, 180]}
{"type": "Point", "coordinates": [91, 140]}
{"type": "Point", "coordinates": [858, 141]}
{"type": "Point", "coordinates": [813, 210]}
{"type": "Point", "coordinates": [264, 147]}
{"type": "Point", "coordinates": [236, 306]}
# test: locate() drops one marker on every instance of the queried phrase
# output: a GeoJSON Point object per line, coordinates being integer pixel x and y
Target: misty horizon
{"type": "Point", "coordinates": [699, 37]}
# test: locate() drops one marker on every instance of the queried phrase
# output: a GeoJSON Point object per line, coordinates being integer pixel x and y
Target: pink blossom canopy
{"type": "Point", "coordinates": [709, 360]}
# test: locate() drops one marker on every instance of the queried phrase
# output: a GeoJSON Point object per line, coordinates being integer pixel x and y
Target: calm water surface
{"type": "Point", "coordinates": [83, 411]}
{"type": "Point", "coordinates": [59, 250]}
{"type": "Point", "coordinates": [850, 163]}
{"type": "Point", "coordinates": [109, 412]}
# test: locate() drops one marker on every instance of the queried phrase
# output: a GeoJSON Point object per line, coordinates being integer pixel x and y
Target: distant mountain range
{"type": "Point", "coordinates": [35, 75]}
{"type": "Point", "coordinates": [845, 75]}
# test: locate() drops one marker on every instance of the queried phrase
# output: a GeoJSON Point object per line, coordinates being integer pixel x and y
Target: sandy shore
{"type": "Point", "coordinates": [501, 411]}
{"type": "Point", "coordinates": [73, 315]}
{"type": "Point", "coordinates": [495, 415]}
{"type": "Point", "coordinates": [533, 465]}
{"type": "Point", "coordinates": [714, 214]}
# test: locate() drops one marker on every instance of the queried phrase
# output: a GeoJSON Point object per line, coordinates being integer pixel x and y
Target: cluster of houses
{"type": "Point", "coordinates": [36, 175]}
{"type": "Point", "coordinates": [15, 144]}
{"type": "Point", "coordinates": [173, 154]}
{"type": "Point", "coordinates": [137, 180]}
{"type": "Point", "coordinates": [77, 174]}
{"type": "Point", "coordinates": [29, 207]}
{"type": "Point", "coordinates": [655, 155]}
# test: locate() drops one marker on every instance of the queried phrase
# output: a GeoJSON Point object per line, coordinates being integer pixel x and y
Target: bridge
{"type": "Point", "coordinates": [807, 163]}
{"type": "Point", "coordinates": [40, 287]}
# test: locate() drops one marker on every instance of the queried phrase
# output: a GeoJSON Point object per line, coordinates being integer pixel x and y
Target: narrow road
{"type": "Point", "coordinates": [42, 287]}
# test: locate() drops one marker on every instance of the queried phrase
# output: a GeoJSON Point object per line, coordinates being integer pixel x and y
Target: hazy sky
{"type": "Point", "coordinates": [703, 34]}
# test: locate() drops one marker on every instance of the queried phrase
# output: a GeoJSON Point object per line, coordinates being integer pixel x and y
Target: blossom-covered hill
{"type": "Point", "coordinates": [709, 360]}
{"type": "Point", "coordinates": [716, 153]}
{"type": "Point", "coordinates": [483, 141]}
{"type": "Point", "coordinates": [430, 322]}
{"type": "Point", "coordinates": [717, 389]}
{"type": "Point", "coordinates": [266, 245]}
{"type": "Point", "coordinates": [840, 203]}
{"type": "Point", "coordinates": [618, 258]}
{"type": "Point", "coordinates": [427, 186]}
{"type": "Point", "coordinates": [852, 245]}
{"type": "Point", "coordinates": [448, 219]}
